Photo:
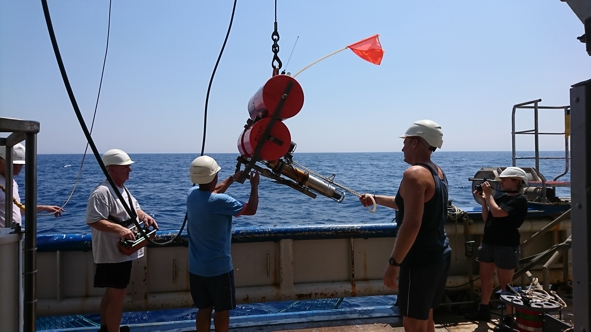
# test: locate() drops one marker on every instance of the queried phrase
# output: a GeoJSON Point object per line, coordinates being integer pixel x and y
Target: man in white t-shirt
{"type": "Point", "coordinates": [18, 161]}
{"type": "Point", "coordinates": [110, 223]}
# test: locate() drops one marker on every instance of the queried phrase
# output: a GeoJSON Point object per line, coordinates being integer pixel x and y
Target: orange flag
{"type": "Point", "coordinates": [369, 49]}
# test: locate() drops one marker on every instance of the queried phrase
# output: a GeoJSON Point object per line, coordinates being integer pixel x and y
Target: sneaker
{"type": "Point", "coordinates": [483, 315]}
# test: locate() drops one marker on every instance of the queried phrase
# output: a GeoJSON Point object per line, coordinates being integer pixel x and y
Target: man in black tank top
{"type": "Point", "coordinates": [421, 256]}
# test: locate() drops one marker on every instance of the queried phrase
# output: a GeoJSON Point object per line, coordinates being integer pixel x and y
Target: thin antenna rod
{"type": "Point", "coordinates": [315, 62]}
{"type": "Point", "coordinates": [290, 54]}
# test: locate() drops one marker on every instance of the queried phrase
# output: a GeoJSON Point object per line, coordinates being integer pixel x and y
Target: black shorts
{"type": "Point", "coordinates": [504, 257]}
{"type": "Point", "coordinates": [217, 292]}
{"type": "Point", "coordinates": [113, 275]}
{"type": "Point", "coordinates": [420, 288]}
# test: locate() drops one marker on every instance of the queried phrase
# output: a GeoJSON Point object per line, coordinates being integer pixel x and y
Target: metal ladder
{"type": "Point", "coordinates": [534, 104]}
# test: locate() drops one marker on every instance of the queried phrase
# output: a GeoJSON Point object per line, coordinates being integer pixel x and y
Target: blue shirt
{"type": "Point", "coordinates": [209, 225]}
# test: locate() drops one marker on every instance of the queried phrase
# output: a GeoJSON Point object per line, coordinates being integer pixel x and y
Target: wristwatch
{"type": "Point", "coordinates": [392, 262]}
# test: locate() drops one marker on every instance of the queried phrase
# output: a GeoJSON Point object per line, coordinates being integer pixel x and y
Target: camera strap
{"type": "Point", "coordinates": [126, 223]}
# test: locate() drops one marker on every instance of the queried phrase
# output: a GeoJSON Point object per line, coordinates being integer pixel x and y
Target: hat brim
{"type": "Point", "coordinates": [122, 164]}
{"type": "Point", "coordinates": [209, 178]}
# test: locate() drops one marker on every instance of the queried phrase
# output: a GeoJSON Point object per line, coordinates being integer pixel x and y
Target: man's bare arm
{"type": "Point", "coordinates": [415, 183]}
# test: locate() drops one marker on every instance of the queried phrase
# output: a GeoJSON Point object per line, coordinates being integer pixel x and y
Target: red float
{"type": "Point", "coordinates": [265, 100]}
{"type": "Point", "coordinates": [273, 149]}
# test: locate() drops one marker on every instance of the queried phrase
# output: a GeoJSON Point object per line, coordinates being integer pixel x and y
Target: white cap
{"type": "Point", "coordinates": [203, 170]}
{"type": "Point", "coordinates": [18, 154]}
{"type": "Point", "coordinates": [116, 157]}
{"type": "Point", "coordinates": [514, 173]}
{"type": "Point", "coordinates": [429, 130]}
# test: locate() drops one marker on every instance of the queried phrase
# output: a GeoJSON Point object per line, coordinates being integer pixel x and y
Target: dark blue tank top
{"type": "Point", "coordinates": [432, 243]}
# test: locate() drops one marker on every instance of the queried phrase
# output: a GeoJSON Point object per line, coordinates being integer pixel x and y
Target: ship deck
{"type": "Point", "coordinates": [451, 322]}
{"type": "Point", "coordinates": [370, 319]}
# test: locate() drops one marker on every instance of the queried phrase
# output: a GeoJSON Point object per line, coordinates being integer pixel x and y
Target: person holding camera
{"type": "Point", "coordinates": [108, 219]}
{"type": "Point", "coordinates": [500, 244]}
{"type": "Point", "coordinates": [421, 256]}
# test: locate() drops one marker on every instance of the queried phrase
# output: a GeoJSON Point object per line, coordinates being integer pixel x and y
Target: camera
{"type": "Point", "coordinates": [479, 186]}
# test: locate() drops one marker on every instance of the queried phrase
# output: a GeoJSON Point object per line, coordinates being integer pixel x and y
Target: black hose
{"type": "Point", "coordinates": [212, 76]}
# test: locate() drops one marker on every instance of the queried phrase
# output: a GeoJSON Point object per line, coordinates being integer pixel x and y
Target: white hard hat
{"type": "Point", "coordinates": [514, 173]}
{"type": "Point", "coordinates": [116, 157]}
{"type": "Point", "coordinates": [18, 154]}
{"type": "Point", "coordinates": [203, 170]}
{"type": "Point", "coordinates": [428, 130]}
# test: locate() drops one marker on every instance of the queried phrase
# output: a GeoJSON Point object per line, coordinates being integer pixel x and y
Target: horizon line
{"type": "Point", "coordinates": [454, 151]}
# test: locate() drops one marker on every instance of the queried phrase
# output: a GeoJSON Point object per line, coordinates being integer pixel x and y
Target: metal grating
{"type": "Point", "coordinates": [64, 322]}
{"type": "Point", "coordinates": [310, 305]}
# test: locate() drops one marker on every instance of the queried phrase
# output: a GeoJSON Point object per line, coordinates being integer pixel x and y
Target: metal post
{"type": "Point", "coordinates": [8, 176]}
{"type": "Point", "coordinates": [30, 251]}
{"type": "Point", "coordinates": [537, 140]}
{"type": "Point", "coordinates": [513, 133]}
{"type": "Point", "coordinates": [469, 253]}
{"type": "Point", "coordinates": [580, 99]}
{"type": "Point", "coordinates": [565, 265]}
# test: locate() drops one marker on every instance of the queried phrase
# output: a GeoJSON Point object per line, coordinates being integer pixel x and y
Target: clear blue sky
{"type": "Point", "coordinates": [463, 64]}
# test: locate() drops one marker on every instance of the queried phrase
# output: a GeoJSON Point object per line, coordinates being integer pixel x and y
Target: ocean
{"type": "Point", "coordinates": [160, 183]}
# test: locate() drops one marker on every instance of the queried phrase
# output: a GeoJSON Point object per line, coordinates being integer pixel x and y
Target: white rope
{"type": "Point", "coordinates": [331, 181]}
{"type": "Point", "coordinates": [535, 297]}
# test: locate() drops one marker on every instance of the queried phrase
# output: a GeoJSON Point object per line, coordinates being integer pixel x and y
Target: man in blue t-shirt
{"type": "Point", "coordinates": [209, 226]}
